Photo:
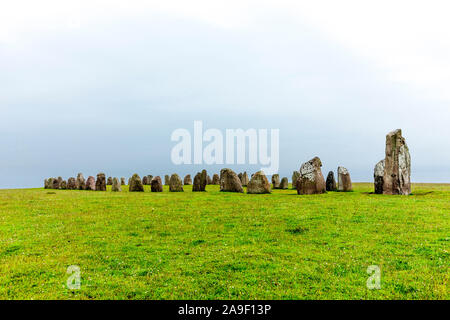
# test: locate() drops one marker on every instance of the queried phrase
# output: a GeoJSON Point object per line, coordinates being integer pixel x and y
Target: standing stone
{"type": "Point", "coordinates": [71, 183]}
{"type": "Point", "coordinates": [397, 165]}
{"type": "Point", "coordinates": [331, 182]}
{"type": "Point", "coordinates": [175, 183]}
{"type": "Point", "coordinates": [284, 184]}
{"type": "Point", "coordinates": [145, 181]}
{"type": "Point", "coordinates": [240, 176]}
{"type": "Point", "coordinates": [244, 179]}
{"type": "Point", "coordinates": [45, 183]}
{"type": "Point", "coordinates": [156, 184]}
{"type": "Point", "coordinates": [200, 181]}
{"type": "Point", "coordinates": [187, 180]}
{"type": "Point", "coordinates": [90, 183]}
{"type": "Point", "coordinates": [116, 187]}
{"type": "Point", "coordinates": [81, 182]}
{"type": "Point", "coordinates": [109, 182]}
{"type": "Point", "coordinates": [60, 180]}
{"type": "Point", "coordinates": [100, 184]}
{"type": "Point", "coordinates": [258, 184]}
{"type": "Point", "coordinates": [149, 179]}
{"type": "Point", "coordinates": [295, 176]}
{"type": "Point", "coordinates": [229, 181]}
{"type": "Point", "coordinates": [344, 180]}
{"type": "Point", "coordinates": [276, 181]}
{"type": "Point", "coordinates": [208, 180]}
{"type": "Point", "coordinates": [136, 184]}
{"type": "Point", "coordinates": [49, 183]}
{"type": "Point", "coordinates": [56, 183]}
{"type": "Point", "coordinates": [122, 181]}
{"type": "Point", "coordinates": [378, 176]}
{"type": "Point", "coordinates": [63, 185]}
{"type": "Point", "coordinates": [311, 180]}
{"type": "Point", "coordinates": [215, 179]}
{"type": "Point", "coordinates": [166, 180]}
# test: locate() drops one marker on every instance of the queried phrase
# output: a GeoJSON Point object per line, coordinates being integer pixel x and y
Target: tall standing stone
{"type": "Point", "coordinates": [295, 176]}
{"type": "Point", "coordinates": [175, 183]}
{"type": "Point", "coordinates": [90, 183]}
{"type": "Point", "coordinates": [109, 182]}
{"type": "Point", "coordinates": [136, 184]}
{"type": "Point", "coordinates": [215, 179]}
{"type": "Point", "coordinates": [63, 185]}
{"type": "Point", "coordinates": [56, 183]}
{"type": "Point", "coordinates": [258, 184]}
{"type": "Point", "coordinates": [45, 183]}
{"type": "Point", "coordinates": [156, 184]}
{"type": "Point", "coordinates": [331, 182]}
{"type": "Point", "coordinates": [284, 184]}
{"type": "Point", "coordinates": [311, 180]}
{"type": "Point", "coordinates": [50, 183]}
{"type": "Point", "coordinates": [208, 180]}
{"type": "Point", "coordinates": [276, 181]}
{"type": "Point", "coordinates": [344, 180]}
{"type": "Point", "coordinates": [122, 181]}
{"type": "Point", "coordinates": [145, 181]}
{"type": "Point", "coordinates": [378, 176]}
{"type": "Point", "coordinates": [166, 180]}
{"type": "Point", "coordinates": [71, 183]}
{"type": "Point", "coordinates": [116, 187]}
{"type": "Point", "coordinates": [244, 179]}
{"type": "Point", "coordinates": [397, 170]}
{"type": "Point", "coordinates": [81, 182]}
{"type": "Point", "coordinates": [100, 184]}
{"type": "Point", "coordinates": [229, 181]}
{"type": "Point", "coordinates": [187, 180]}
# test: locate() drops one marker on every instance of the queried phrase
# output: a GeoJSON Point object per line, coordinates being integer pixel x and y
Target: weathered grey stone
{"type": "Point", "coordinates": [344, 180]}
{"type": "Point", "coordinates": [56, 183]}
{"type": "Point", "coordinates": [258, 184]}
{"type": "Point", "coordinates": [145, 181]}
{"type": "Point", "coordinates": [109, 182]}
{"type": "Point", "coordinates": [276, 181]}
{"type": "Point", "coordinates": [122, 181]}
{"type": "Point", "coordinates": [378, 176]}
{"type": "Point", "coordinates": [135, 184]}
{"type": "Point", "coordinates": [63, 185]}
{"type": "Point", "coordinates": [284, 184]}
{"type": "Point", "coordinates": [116, 187]}
{"type": "Point", "coordinates": [156, 184]}
{"type": "Point", "coordinates": [229, 181]}
{"type": "Point", "coordinates": [175, 183]}
{"type": "Point", "coordinates": [71, 183]}
{"type": "Point", "coordinates": [397, 165]}
{"type": "Point", "coordinates": [200, 181]}
{"type": "Point", "coordinates": [311, 180]}
{"type": "Point", "coordinates": [244, 179]}
{"type": "Point", "coordinates": [295, 176]}
{"type": "Point", "coordinates": [90, 183]}
{"type": "Point", "coordinates": [215, 179]}
{"type": "Point", "coordinates": [331, 182]}
{"type": "Point", "coordinates": [50, 183]}
{"type": "Point", "coordinates": [187, 180]}
{"type": "Point", "coordinates": [100, 184]}
{"type": "Point", "coordinates": [81, 182]}
{"type": "Point", "coordinates": [166, 180]}
{"type": "Point", "coordinates": [45, 183]}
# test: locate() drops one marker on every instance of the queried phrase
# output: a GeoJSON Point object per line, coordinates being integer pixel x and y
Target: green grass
{"type": "Point", "coordinates": [215, 245]}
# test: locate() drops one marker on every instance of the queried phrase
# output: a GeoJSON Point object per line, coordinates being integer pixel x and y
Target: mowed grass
{"type": "Point", "coordinates": [215, 245]}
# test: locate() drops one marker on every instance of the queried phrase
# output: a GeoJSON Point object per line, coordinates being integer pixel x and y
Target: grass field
{"type": "Point", "coordinates": [215, 245]}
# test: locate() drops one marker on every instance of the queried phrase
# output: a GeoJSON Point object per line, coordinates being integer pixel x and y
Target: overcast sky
{"type": "Point", "coordinates": [90, 86]}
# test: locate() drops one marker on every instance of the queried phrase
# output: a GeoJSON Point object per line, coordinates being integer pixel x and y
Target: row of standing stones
{"type": "Point", "coordinates": [391, 175]}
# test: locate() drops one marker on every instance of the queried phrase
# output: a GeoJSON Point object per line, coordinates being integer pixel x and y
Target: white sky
{"type": "Point", "coordinates": [408, 39]}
